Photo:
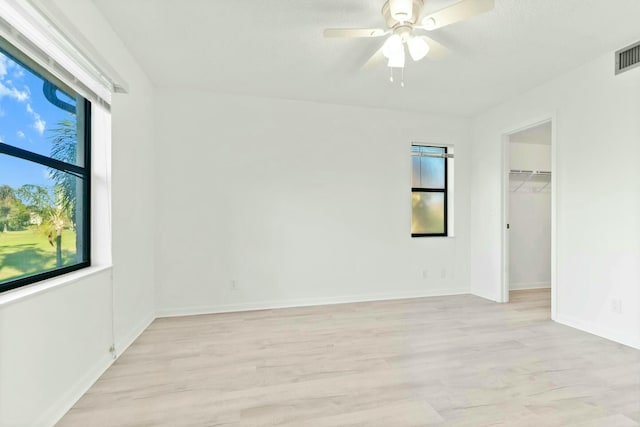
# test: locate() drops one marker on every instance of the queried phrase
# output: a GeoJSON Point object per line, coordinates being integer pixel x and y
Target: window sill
{"type": "Point", "coordinates": [20, 294]}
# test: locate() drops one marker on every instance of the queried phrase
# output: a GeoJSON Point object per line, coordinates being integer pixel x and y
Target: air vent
{"type": "Point", "coordinates": [628, 58]}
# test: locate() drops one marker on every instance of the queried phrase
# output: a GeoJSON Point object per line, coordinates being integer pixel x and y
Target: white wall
{"type": "Point", "coordinates": [530, 219]}
{"type": "Point", "coordinates": [530, 156]}
{"type": "Point", "coordinates": [598, 198]}
{"type": "Point", "coordinates": [299, 203]}
{"type": "Point", "coordinates": [54, 344]}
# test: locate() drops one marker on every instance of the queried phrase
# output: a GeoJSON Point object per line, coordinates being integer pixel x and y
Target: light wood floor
{"type": "Point", "coordinates": [446, 361]}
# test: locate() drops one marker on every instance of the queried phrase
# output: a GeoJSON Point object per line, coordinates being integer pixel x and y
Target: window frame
{"type": "Point", "coordinates": [84, 172]}
{"type": "Point", "coordinates": [444, 191]}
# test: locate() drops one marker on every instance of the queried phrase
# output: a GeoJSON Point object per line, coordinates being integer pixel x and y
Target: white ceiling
{"type": "Point", "coordinates": [275, 48]}
{"type": "Point", "coordinates": [540, 134]}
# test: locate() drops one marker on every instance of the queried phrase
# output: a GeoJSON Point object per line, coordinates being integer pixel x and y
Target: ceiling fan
{"type": "Point", "coordinates": [404, 18]}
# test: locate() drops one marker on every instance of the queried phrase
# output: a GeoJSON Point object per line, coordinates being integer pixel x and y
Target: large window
{"type": "Point", "coordinates": [44, 173]}
{"type": "Point", "coordinates": [429, 191]}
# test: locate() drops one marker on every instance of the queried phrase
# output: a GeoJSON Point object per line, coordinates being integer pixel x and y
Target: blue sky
{"type": "Point", "coordinates": [26, 120]}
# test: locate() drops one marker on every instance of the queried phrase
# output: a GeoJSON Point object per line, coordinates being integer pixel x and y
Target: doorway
{"type": "Point", "coordinates": [528, 261]}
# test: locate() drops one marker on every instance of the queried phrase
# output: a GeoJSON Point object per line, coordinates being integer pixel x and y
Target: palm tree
{"type": "Point", "coordinates": [55, 224]}
{"type": "Point", "coordinates": [64, 144]}
{"type": "Point", "coordinates": [57, 208]}
{"type": "Point", "coordinates": [53, 210]}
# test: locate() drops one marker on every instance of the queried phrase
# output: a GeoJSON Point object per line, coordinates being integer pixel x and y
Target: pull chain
{"type": "Point", "coordinates": [401, 76]}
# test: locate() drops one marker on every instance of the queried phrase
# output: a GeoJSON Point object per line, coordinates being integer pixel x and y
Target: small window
{"type": "Point", "coordinates": [429, 191]}
{"type": "Point", "coordinates": [44, 173]}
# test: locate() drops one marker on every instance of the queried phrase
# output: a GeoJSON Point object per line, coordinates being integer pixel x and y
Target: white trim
{"type": "Point", "coordinates": [529, 285]}
{"type": "Point", "coordinates": [58, 410]}
{"type": "Point", "coordinates": [53, 50]}
{"type": "Point", "coordinates": [274, 304]}
{"type": "Point", "coordinates": [37, 288]}
{"type": "Point", "coordinates": [66, 401]}
{"type": "Point", "coordinates": [595, 329]}
{"type": "Point", "coordinates": [505, 219]}
{"type": "Point", "coordinates": [124, 343]}
{"type": "Point", "coordinates": [554, 218]}
{"type": "Point", "coordinates": [101, 188]}
{"type": "Point", "coordinates": [85, 49]}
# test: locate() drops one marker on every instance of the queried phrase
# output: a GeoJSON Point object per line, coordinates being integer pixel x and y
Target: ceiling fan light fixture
{"type": "Point", "coordinates": [401, 10]}
{"type": "Point", "coordinates": [396, 60]}
{"type": "Point", "coordinates": [392, 46]}
{"type": "Point", "coordinates": [418, 48]}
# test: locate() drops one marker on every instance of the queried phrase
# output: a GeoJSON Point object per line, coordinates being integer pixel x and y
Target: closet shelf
{"type": "Point", "coordinates": [527, 175]}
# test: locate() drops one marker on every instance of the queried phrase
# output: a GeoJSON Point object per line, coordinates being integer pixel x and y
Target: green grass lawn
{"type": "Point", "coordinates": [28, 252]}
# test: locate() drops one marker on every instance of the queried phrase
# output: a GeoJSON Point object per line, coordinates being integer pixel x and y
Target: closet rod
{"type": "Point", "coordinates": [524, 171]}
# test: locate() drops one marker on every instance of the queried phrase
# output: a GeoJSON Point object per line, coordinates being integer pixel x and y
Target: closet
{"type": "Point", "coordinates": [530, 208]}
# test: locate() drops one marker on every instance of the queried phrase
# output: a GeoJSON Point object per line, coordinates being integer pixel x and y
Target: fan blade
{"type": "Point", "coordinates": [458, 12]}
{"type": "Point", "coordinates": [354, 32]}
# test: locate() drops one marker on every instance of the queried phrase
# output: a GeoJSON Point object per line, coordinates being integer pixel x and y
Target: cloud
{"type": "Point", "coordinates": [38, 123]}
{"type": "Point", "coordinates": [14, 93]}
{"type": "Point", "coordinates": [3, 65]}
{"type": "Point", "coordinates": [7, 65]}
{"type": "Point", "coordinates": [7, 87]}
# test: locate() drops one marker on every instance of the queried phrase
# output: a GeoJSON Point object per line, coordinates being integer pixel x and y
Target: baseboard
{"type": "Point", "coordinates": [68, 399]}
{"type": "Point", "coordinates": [594, 329]}
{"type": "Point", "coordinates": [266, 305]}
{"type": "Point", "coordinates": [529, 285]}
{"type": "Point", "coordinates": [123, 344]}
{"type": "Point", "coordinates": [51, 416]}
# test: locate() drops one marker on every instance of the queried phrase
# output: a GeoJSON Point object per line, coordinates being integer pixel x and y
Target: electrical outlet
{"type": "Point", "coordinates": [443, 273]}
{"type": "Point", "coordinates": [234, 284]}
{"type": "Point", "coordinates": [425, 274]}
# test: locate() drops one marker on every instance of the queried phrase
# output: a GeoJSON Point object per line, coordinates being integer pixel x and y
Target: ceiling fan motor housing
{"type": "Point", "coordinates": [392, 21]}
{"type": "Point", "coordinates": [404, 31]}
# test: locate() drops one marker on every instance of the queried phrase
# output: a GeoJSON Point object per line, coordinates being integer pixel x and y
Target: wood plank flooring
{"type": "Point", "coordinates": [444, 361]}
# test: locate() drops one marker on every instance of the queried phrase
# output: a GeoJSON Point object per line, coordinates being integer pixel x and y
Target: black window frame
{"type": "Point", "coordinates": [444, 190]}
{"type": "Point", "coordinates": [83, 172]}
